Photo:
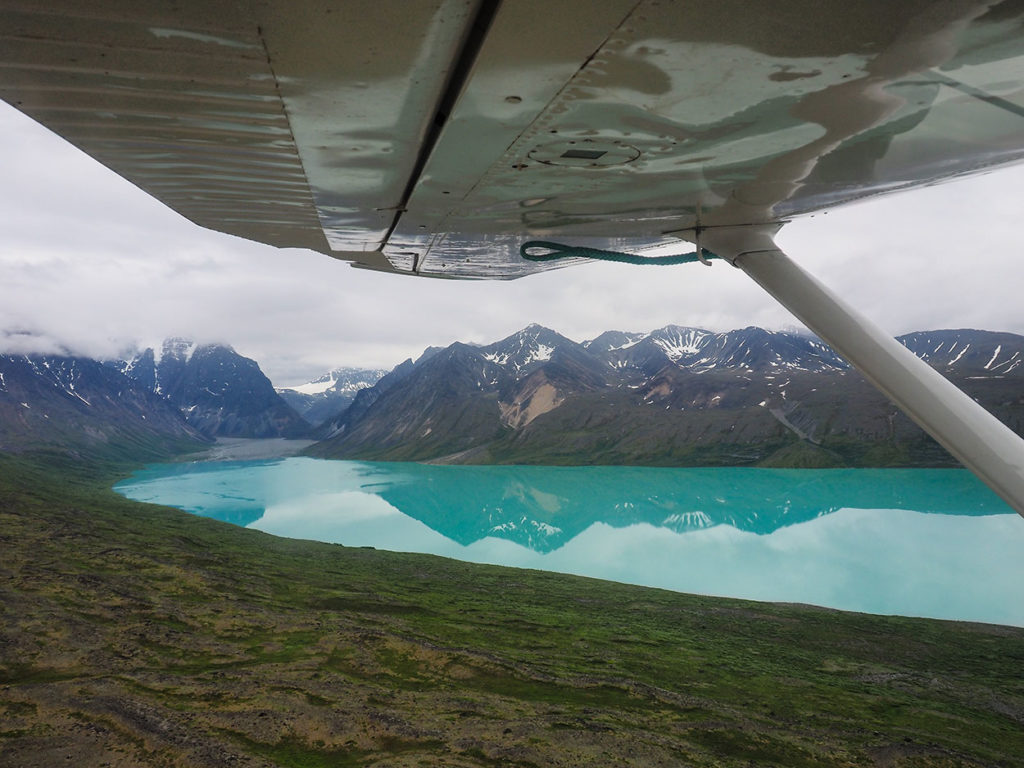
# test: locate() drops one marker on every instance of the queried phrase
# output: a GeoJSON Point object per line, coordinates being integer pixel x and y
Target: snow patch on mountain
{"type": "Point", "coordinates": [679, 342]}
{"type": "Point", "coordinates": [627, 345]}
{"type": "Point", "coordinates": [338, 380]}
{"type": "Point", "coordinates": [314, 387]}
{"type": "Point", "coordinates": [535, 534]}
{"type": "Point", "coordinates": [688, 521]}
{"type": "Point", "coordinates": [960, 354]}
{"type": "Point", "coordinates": [542, 352]}
{"type": "Point", "coordinates": [995, 354]}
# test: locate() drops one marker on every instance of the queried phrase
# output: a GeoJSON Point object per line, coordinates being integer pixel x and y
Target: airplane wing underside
{"type": "Point", "coordinates": [436, 136]}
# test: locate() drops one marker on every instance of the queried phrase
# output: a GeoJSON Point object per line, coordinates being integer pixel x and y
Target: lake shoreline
{"type": "Point", "coordinates": [249, 449]}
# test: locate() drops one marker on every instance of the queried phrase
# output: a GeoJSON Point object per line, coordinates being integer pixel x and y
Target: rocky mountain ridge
{"type": "Point", "coordinates": [78, 405]}
{"type": "Point", "coordinates": [674, 396]}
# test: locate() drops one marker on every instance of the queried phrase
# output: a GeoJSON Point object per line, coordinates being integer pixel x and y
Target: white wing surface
{"type": "Point", "coordinates": [435, 136]}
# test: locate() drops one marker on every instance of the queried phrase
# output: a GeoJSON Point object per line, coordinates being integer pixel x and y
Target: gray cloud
{"type": "Point", "coordinates": [92, 264]}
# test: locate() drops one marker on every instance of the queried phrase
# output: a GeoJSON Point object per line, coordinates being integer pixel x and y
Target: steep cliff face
{"type": "Point", "coordinates": [220, 393]}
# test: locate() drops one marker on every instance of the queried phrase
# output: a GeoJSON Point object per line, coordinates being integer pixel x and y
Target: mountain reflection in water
{"type": "Point", "coordinates": [918, 542]}
{"type": "Point", "coordinates": [544, 507]}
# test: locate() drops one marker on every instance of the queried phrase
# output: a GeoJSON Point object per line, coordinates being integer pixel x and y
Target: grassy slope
{"type": "Point", "coordinates": [137, 635]}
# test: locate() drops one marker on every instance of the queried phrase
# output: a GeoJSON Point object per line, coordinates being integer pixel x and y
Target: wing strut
{"type": "Point", "coordinates": [974, 436]}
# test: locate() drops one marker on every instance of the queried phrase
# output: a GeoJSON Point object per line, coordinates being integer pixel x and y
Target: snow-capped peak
{"type": "Point", "coordinates": [678, 342]}
{"type": "Point", "coordinates": [532, 344]}
{"type": "Point", "coordinates": [343, 380]}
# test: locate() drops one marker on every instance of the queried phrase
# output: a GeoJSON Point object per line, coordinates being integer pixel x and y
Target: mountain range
{"type": "Point", "coordinates": [672, 397]}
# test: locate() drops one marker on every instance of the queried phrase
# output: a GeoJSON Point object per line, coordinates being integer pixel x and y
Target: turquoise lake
{"type": "Point", "coordinates": [931, 543]}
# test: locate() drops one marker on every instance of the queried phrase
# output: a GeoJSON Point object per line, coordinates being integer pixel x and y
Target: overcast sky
{"type": "Point", "coordinates": [93, 265]}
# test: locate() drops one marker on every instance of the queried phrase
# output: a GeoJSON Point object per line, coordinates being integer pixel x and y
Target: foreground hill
{"type": "Point", "coordinates": [675, 396]}
{"type": "Point", "coordinates": [139, 636]}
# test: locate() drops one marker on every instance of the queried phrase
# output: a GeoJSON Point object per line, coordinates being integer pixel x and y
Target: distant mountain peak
{"type": "Point", "coordinates": [534, 331]}
{"type": "Point", "coordinates": [327, 396]}
{"type": "Point", "coordinates": [679, 342]}
{"type": "Point", "coordinates": [428, 353]}
{"type": "Point", "coordinates": [526, 348]}
{"type": "Point", "coordinates": [610, 341]}
{"type": "Point", "coordinates": [986, 353]}
{"type": "Point", "coordinates": [183, 349]}
{"type": "Point", "coordinates": [342, 378]}
{"type": "Point", "coordinates": [673, 328]}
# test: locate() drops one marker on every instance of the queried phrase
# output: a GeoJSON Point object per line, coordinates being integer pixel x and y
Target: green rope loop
{"type": "Point", "coordinates": [553, 251]}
